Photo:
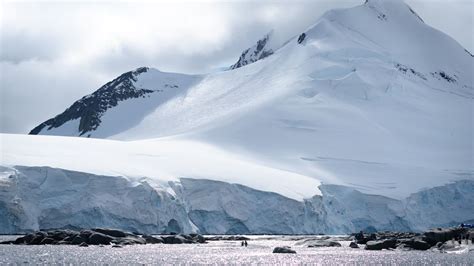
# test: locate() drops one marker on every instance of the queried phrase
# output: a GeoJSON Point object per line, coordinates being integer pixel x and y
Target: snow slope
{"type": "Point", "coordinates": [366, 99]}
{"type": "Point", "coordinates": [160, 161]}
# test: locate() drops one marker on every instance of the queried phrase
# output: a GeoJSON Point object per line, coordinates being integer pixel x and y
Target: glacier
{"type": "Point", "coordinates": [363, 120]}
{"type": "Point", "coordinates": [34, 198]}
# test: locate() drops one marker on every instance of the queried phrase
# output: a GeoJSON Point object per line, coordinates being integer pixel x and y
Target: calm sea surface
{"type": "Point", "coordinates": [259, 251]}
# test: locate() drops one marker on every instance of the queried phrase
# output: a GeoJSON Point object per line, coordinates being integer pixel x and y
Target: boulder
{"type": "Point", "coordinates": [70, 238]}
{"type": "Point", "coordinates": [420, 245]}
{"type": "Point", "coordinates": [110, 232]}
{"type": "Point", "coordinates": [363, 239]}
{"type": "Point", "coordinates": [353, 245]}
{"type": "Point", "coordinates": [98, 238]}
{"type": "Point", "coordinates": [152, 240]}
{"type": "Point", "coordinates": [20, 240]}
{"type": "Point", "coordinates": [78, 240]}
{"type": "Point", "coordinates": [227, 238]}
{"type": "Point", "coordinates": [176, 239]}
{"type": "Point", "coordinates": [47, 241]}
{"type": "Point", "coordinates": [86, 233]}
{"type": "Point", "coordinates": [284, 250]}
{"type": "Point", "coordinates": [448, 245]}
{"type": "Point", "coordinates": [404, 247]}
{"type": "Point", "coordinates": [301, 37]}
{"type": "Point", "coordinates": [61, 234]}
{"type": "Point", "coordinates": [381, 244]}
{"type": "Point", "coordinates": [322, 243]}
{"type": "Point", "coordinates": [434, 236]}
{"type": "Point", "coordinates": [28, 238]}
{"type": "Point", "coordinates": [38, 237]}
{"type": "Point", "coordinates": [83, 244]}
{"type": "Point", "coordinates": [129, 240]}
{"type": "Point", "coordinates": [199, 239]}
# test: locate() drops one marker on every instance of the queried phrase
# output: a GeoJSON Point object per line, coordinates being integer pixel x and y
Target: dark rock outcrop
{"type": "Point", "coordinates": [100, 236]}
{"type": "Point", "coordinates": [381, 244]}
{"type": "Point", "coordinates": [110, 232]}
{"type": "Point", "coordinates": [322, 243]}
{"type": "Point", "coordinates": [443, 234]}
{"type": "Point", "coordinates": [353, 245]}
{"type": "Point", "coordinates": [227, 238]}
{"type": "Point", "coordinates": [89, 109]}
{"type": "Point", "coordinates": [301, 37]}
{"type": "Point", "coordinates": [152, 240]}
{"type": "Point", "coordinates": [284, 250]}
{"type": "Point", "coordinates": [254, 53]}
{"type": "Point", "coordinates": [99, 239]}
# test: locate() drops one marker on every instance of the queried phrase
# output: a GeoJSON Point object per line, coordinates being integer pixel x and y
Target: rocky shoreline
{"type": "Point", "coordinates": [441, 239]}
{"type": "Point", "coordinates": [101, 236]}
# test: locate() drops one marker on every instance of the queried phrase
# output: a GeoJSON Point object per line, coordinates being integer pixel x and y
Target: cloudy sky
{"type": "Point", "coordinates": [54, 52]}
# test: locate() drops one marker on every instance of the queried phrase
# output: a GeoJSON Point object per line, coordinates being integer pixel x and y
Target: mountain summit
{"type": "Point", "coordinates": [259, 51]}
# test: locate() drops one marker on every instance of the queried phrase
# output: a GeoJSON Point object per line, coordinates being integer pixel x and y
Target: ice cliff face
{"type": "Point", "coordinates": [35, 198]}
{"type": "Point", "coordinates": [41, 197]}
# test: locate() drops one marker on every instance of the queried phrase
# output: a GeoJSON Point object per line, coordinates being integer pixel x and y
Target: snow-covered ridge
{"type": "Point", "coordinates": [257, 52]}
{"type": "Point", "coordinates": [150, 86]}
{"type": "Point", "coordinates": [161, 161]}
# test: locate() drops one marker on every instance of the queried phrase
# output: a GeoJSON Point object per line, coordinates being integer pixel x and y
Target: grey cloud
{"type": "Point", "coordinates": [21, 46]}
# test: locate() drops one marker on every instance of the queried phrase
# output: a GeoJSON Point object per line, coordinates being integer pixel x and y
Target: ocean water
{"type": "Point", "coordinates": [259, 251]}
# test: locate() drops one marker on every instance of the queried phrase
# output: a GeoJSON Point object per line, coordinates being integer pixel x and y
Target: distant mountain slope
{"type": "Point", "coordinates": [87, 114]}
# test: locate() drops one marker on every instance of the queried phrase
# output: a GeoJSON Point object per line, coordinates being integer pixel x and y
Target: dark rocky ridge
{"type": "Point", "coordinates": [434, 238]}
{"type": "Point", "coordinates": [90, 108]}
{"type": "Point", "coordinates": [255, 53]}
{"type": "Point", "coordinates": [101, 236]}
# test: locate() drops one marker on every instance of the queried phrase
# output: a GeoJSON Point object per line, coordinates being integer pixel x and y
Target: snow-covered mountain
{"type": "Point", "coordinates": [122, 102]}
{"type": "Point", "coordinates": [368, 100]}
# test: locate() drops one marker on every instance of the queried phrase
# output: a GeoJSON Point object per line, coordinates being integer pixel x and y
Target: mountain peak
{"type": "Point", "coordinates": [384, 7]}
{"type": "Point", "coordinates": [258, 51]}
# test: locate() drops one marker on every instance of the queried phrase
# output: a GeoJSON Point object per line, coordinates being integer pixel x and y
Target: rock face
{"type": "Point", "coordinates": [90, 108]}
{"type": "Point", "coordinates": [284, 250]}
{"type": "Point", "coordinates": [146, 87]}
{"type": "Point", "coordinates": [381, 244]}
{"type": "Point", "coordinates": [259, 51]}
